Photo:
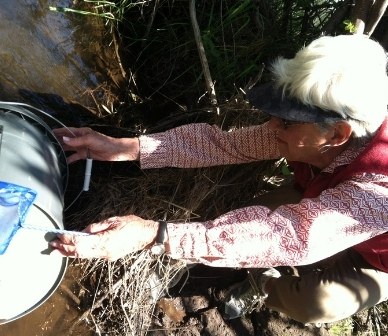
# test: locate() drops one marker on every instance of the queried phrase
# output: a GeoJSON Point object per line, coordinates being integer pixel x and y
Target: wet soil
{"type": "Point", "coordinates": [56, 316]}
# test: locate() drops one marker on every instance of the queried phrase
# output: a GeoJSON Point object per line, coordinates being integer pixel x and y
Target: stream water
{"type": "Point", "coordinates": [48, 59]}
{"type": "Point", "coordinates": [47, 55]}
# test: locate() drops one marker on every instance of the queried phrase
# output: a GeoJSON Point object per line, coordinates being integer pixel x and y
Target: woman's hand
{"type": "Point", "coordinates": [84, 141]}
{"type": "Point", "coordinates": [110, 239]}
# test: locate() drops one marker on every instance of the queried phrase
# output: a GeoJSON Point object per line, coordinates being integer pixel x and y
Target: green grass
{"type": "Point", "coordinates": [239, 38]}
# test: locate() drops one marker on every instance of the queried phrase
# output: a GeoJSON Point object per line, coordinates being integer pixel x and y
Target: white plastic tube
{"type": "Point", "coordinates": [88, 174]}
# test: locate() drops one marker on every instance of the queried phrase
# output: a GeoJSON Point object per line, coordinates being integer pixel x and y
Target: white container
{"type": "Point", "coordinates": [31, 157]}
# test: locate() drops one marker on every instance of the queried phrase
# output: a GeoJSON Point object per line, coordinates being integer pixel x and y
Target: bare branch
{"type": "Point", "coordinates": [202, 54]}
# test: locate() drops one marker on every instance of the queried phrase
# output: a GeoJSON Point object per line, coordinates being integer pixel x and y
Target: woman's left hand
{"type": "Point", "coordinates": [110, 239]}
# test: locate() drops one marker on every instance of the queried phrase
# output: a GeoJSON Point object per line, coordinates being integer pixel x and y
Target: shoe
{"type": "Point", "coordinates": [243, 297]}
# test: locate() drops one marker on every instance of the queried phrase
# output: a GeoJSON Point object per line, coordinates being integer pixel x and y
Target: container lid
{"type": "Point", "coordinates": [29, 274]}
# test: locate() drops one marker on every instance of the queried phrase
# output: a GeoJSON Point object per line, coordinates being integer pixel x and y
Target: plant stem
{"type": "Point", "coordinates": [202, 56]}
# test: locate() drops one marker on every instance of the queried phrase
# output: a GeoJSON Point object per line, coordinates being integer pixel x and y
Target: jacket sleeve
{"type": "Point", "coordinates": [293, 234]}
{"type": "Point", "coordinates": [203, 145]}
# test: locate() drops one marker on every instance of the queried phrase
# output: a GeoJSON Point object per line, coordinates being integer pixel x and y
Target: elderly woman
{"type": "Point", "coordinates": [328, 118]}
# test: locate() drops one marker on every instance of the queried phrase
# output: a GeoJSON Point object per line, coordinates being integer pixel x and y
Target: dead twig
{"type": "Point", "coordinates": [202, 55]}
{"type": "Point", "coordinates": [116, 46]}
{"type": "Point", "coordinates": [67, 290]}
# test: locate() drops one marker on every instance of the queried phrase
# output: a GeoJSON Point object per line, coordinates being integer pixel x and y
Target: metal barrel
{"type": "Point", "coordinates": [30, 156]}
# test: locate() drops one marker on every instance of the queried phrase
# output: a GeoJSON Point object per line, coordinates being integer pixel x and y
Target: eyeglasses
{"type": "Point", "coordinates": [287, 123]}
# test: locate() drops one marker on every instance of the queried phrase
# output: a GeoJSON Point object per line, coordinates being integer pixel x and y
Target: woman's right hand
{"type": "Point", "coordinates": [84, 141]}
{"type": "Point", "coordinates": [110, 239]}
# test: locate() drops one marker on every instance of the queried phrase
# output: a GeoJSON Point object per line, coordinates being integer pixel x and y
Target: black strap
{"type": "Point", "coordinates": [161, 235]}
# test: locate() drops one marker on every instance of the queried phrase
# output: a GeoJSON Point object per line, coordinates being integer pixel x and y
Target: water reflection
{"type": "Point", "coordinates": [46, 52]}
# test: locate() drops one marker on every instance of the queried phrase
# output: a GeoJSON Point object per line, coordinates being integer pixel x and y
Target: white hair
{"type": "Point", "coordinates": [346, 74]}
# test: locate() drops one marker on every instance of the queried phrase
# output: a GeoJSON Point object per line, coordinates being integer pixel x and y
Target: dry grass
{"type": "Point", "coordinates": [124, 293]}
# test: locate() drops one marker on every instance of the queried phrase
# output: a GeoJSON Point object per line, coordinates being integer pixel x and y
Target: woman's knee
{"type": "Point", "coordinates": [307, 302]}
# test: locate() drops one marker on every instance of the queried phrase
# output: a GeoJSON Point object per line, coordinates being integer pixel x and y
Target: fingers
{"type": "Point", "coordinates": [64, 250]}
{"type": "Point", "coordinates": [76, 140]}
{"type": "Point", "coordinates": [75, 157]}
{"type": "Point", "coordinates": [79, 246]}
{"type": "Point", "coordinates": [61, 132]}
{"type": "Point", "coordinates": [75, 137]}
{"type": "Point", "coordinates": [68, 238]}
{"type": "Point", "coordinates": [71, 131]}
{"type": "Point", "coordinates": [110, 239]}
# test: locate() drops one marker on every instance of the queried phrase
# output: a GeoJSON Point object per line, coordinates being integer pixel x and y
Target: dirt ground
{"type": "Point", "coordinates": [195, 310]}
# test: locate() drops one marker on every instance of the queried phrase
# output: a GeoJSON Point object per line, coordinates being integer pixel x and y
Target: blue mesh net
{"type": "Point", "coordinates": [14, 204]}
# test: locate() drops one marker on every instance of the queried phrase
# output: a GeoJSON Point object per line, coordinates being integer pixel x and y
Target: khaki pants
{"type": "Point", "coordinates": [332, 293]}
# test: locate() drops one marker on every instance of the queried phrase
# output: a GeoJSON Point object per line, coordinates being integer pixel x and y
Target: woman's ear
{"type": "Point", "coordinates": [342, 131]}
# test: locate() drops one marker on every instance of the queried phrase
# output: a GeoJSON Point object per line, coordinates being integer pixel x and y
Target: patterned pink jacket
{"type": "Point", "coordinates": [293, 234]}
